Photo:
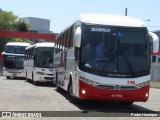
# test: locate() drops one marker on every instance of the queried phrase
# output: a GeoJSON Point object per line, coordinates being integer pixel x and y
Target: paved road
{"type": "Point", "coordinates": [20, 95]}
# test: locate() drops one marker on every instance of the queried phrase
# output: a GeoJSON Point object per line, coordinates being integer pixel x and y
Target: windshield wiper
{"type": "Point", "coordinates": [128, 64]}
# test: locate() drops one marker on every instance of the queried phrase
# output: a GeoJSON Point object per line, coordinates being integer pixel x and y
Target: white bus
{"type": "Point", "coordinates": [13, 59]}
{"type": "Point", "coordinates": [38, 62]}
{"type": "Point", "coordinates": [122, 74]}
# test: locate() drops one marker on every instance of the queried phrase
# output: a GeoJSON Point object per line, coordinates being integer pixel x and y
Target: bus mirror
{"type": "Point", "coordinates": [77, 37]}
{"type": "Point", "coordinates": [155, 41]}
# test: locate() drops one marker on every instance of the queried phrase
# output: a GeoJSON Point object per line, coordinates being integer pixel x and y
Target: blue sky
{"type": "Point", "coordinates": [62, 12]}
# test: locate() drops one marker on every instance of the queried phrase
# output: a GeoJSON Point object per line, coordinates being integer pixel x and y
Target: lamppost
{"type": "Point", "coordinates": [148, 20]}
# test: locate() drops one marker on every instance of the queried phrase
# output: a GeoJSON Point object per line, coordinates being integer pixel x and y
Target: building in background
{"type": "Point", "coordinates": [38, 25]}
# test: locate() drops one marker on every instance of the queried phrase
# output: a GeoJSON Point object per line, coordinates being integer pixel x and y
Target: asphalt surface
{"type": "Point", "coordinates": [18, 95]}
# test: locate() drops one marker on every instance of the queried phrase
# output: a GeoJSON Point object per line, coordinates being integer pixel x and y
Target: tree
{"type": "Point", "coordinates": [1, 10]}
{"type": "Point", "coordinates": [10, 22]}
{"type": "Point", "coordinates": [21, 26]}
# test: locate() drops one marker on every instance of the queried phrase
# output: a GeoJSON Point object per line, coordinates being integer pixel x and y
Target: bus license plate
{"type": "Point", "coordinates": [14, 75]}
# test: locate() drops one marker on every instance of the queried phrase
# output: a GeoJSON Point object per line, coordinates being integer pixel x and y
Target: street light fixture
{"type": "Point", "coordinates": [148, 20]}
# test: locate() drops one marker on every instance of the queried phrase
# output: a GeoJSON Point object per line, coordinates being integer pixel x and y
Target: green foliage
{"type": "Point", "coordinates": [1, 10]}
{"type": "Point", "coordinates": [10, 22]}
{"type": "Point", "coordinates": [22, 26]}
{"type": "Point", "coordinates": [29, 41]}
{"type": "Point", "coordinates": [3, 42]}
{"type": "Point", "coordinates": [20, 40]}
{"type": "Point", "coordinates": [17, 40]}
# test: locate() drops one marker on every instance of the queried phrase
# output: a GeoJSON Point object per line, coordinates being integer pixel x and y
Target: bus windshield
{"type": "Point", "coordinates": [15, 49]}
{"type": "Point", "coordinates": [114, 51]}
{"type": "Point", "coordinates": [45, 57]}
{"type": "Point", "coordinates": [13, 62]}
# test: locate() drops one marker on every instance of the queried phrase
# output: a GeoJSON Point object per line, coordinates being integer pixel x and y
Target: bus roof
{"type": "Point", "coordinates": [4, 53]}
{"type": "Point", "coordinates": [111, 19]}
{"type": "Point", "coordinates": [18, 44]}
{"type": "Point", "coordinates": [43, 44]}
{"type": "Point", "coordinates": [107, 19]}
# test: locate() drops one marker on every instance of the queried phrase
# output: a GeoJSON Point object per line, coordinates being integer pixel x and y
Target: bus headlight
{"type": "Point", "coordinates": [147, 94]}
{"type": "Point", "coordinates": [143, 84]}
{"type": "Point", "coordinates": [88, 81]}
{"type": "Point", "coordinates": [83, 91]}
{"type": "Point", "coordinates": [40, 73]}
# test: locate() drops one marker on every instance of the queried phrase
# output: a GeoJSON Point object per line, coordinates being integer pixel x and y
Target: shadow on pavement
{"type": "Point", "coordinates": [42, 84]}
{"type": "Point", "coordinates": [15, 78]}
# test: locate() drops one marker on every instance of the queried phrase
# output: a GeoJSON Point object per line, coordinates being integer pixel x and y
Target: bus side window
{"type": "Point", "coordinates": [34, 60]}
{"type": "Point", "coordinates": [76, 52]}
{"type": "Point", "coordinates": [56, 46]}
{"type": "Point", "coordinates": [65, 46]}
{"type": "Point", "coordinates": [70, 42]}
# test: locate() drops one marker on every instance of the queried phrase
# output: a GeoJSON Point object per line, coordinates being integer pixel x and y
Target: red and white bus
{"type": "Point", "coordinates": [122, 75]}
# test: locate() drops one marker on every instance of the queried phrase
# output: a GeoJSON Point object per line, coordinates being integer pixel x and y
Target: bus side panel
{"type": "Point", "coordinates": [28, 66]}
{"type": "Point", "coordinates": [70, 69]}
{"type": "Point", "coordinates": [58, 69]}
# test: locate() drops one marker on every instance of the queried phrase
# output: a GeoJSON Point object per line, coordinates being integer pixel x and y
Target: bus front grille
{"type": "Point", "coordinates": [117, 87]}
{"type": "Point", "coordinates": [48, 78]}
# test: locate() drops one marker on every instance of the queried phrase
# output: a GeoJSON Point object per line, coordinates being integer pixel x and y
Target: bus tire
{"type": "Point", "coordinates": [7, 77]}
{"type": "Point", "coordinates": [127, 103]}
{"type": "Point", "coordinates": [70, 95]}
{"type": "Point", "coordinates": [35, 82]}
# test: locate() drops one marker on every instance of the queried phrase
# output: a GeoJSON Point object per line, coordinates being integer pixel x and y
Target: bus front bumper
{"type": "Point", "coordinates": [88, 92]}
{"type": "Point", "coordinates": [12, 73]}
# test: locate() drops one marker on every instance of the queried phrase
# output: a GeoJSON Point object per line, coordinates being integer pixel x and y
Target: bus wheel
{"type": "Point", "coordinates": [7, 77]}
{"type": "Point", "coordinates": [125, 103]}
{"type": "Point", "coordinates": [35, 82]}
{"type": "Point", "coordinates": [71, 97]}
